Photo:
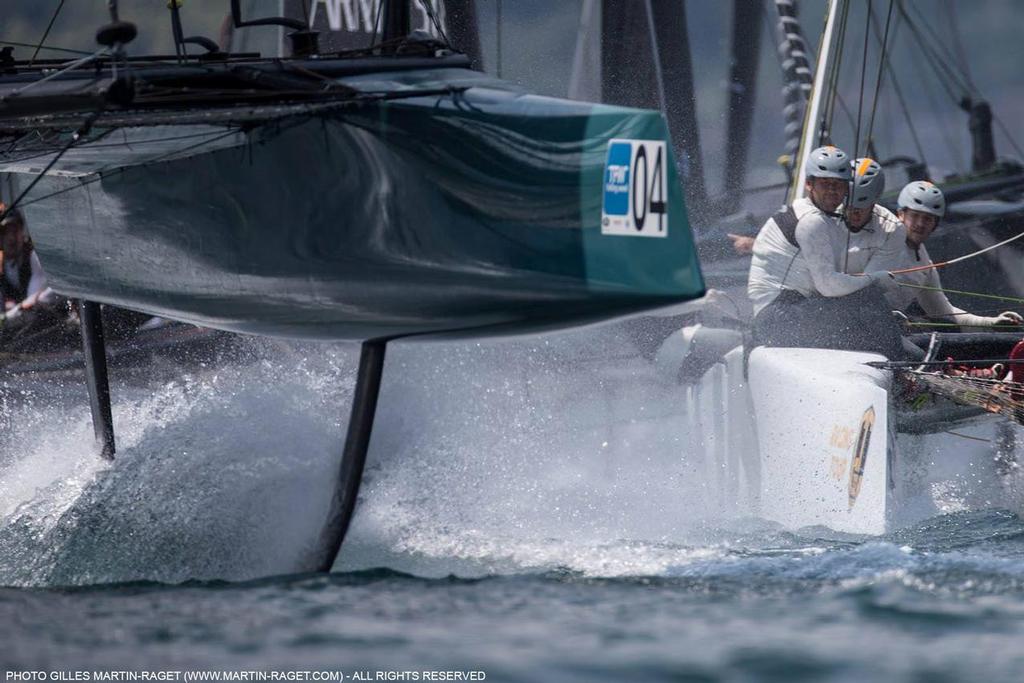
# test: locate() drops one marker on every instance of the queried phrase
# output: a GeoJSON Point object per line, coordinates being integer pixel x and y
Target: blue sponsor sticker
{"type": "Point", "coordinates": [616, 179]}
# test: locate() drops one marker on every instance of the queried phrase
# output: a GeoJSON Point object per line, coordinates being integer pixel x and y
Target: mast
{"type": "Point", "coordinates": [983, 155]}
{"type": "Point", "coordinates": [827, 52]}
{"type": "Point", "coordinates": [746, 52]}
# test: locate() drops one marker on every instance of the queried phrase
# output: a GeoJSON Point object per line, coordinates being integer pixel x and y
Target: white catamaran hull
{"type": "Point", "coordinates": [814, 437]}
{"type": "Point", "coordinates": [822, 420]}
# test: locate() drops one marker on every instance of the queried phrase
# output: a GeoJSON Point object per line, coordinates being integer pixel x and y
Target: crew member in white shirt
{"type": "Point", "coordinates": [808, 262]}
{"type": "Point", "coordinates": [921, 207]}
{"type": "Point", "coordinates": [875, 236]}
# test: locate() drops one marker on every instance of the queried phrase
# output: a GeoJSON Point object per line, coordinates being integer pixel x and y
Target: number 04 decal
{"type": "Point", "coordinates": [635, 189]}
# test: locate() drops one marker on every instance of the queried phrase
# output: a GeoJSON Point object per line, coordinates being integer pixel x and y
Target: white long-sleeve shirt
{"type": "Point", "coordinates": [827, 258]}
{"type": "Point", "coordinates": [878, 246]}
{"type": "Point", "coordinates": [772, 258]}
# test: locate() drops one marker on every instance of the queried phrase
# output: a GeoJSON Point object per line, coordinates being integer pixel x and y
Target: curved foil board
{"type": "Point", "coordinates": [478, 212]}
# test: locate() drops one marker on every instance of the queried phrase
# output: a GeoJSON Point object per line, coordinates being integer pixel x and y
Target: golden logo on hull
{"type": "Point", "coordinates": [860, 453]}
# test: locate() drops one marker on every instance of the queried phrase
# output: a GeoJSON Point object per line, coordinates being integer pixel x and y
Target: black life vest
{"type": "Point", "coordinates": [786, 220]}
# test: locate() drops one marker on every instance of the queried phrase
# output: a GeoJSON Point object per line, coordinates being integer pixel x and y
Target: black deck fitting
{"type": "Point", "coordinates": [116, 33]}
{"type": "Point", "coordinates": [305, 43]}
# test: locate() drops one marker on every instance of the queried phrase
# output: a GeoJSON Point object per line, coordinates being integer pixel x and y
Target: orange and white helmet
{"type": "Point", "coordinates": [868, 183]}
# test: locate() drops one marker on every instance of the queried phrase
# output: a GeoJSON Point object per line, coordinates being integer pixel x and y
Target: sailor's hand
{"type": "Point", "coordinates": [741, 244]}
{"type": "Point", "coordinates": [1008, 318]}
{"type": "Point", "coordinates": [879, 275]}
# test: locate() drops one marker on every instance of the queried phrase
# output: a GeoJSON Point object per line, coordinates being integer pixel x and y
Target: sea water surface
{"type": "Point", "coordinates": [529, 513]}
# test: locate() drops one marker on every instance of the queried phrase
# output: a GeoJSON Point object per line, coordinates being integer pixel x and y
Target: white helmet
{"type": "Point", "coordinates": [920, 195]}
{"type": "Point", "coordinates": [868, 183]}
{"type": "Point", "coordinates": [828, 162]}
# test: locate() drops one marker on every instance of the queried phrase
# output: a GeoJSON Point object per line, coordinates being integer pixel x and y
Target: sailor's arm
{"type": "Point", "coordinates": [816, 250]}
{"type": "Point", "coordinates": [938, 306]}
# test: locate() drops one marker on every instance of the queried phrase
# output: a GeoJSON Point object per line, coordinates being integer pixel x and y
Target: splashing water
{"type": "Point", "coordinates": [564, 452]}
{"type": "Point", "coordinates": [224, 472]}
{"type": "Point", "coordinates": [487, 457]}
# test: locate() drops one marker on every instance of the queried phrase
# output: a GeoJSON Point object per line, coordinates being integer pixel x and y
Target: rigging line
{"type": "Point", "coordinates": [863, 72]}
{"type": "Point", "coordinates": [83, 130]}
{"type": "Point", "coordinates": [934, 38]}
{"type": "Point", "coordinates": [497, 42]}
{"type": "Point", "coordinates": [179, 49]}
{"type": "Point", "coordinates": [958, 259]}
{"type": "Point", "coordinates": [428, 7]}
{"type": "Point", "coordinates": [980, 295]}
{"type": "Point", "coordinates": [45, 47]}
{"type": "Point", "coordinates": [656, 54]}
{"type": "Point", "coordinates": [968, 436]}
{"type": "Point", "coordinates": [899, 94]}
{"type": "Point", "coordinates": [46, 33]}
{"type": "Point", "coordinates": [925, 50]}
{"type": "Point", "coordinates": [943, 70]}
{"type": "Point", "coordinates": [1001, 309]}
{"type": "Point", "coordinates": [18, 140]}
{"type": "Point", "coordinates": [845, 108]}
{"type": "Point", "coordinates": [956, 152]}
{"type": "Point", "coordinates": [1006, 133]}
{"type": "Point", "coordinates": [881, 67]}
{"type": "Point", "coordinates": [96, 145]}
{"type": "Point", "coordinates": [928, 42]}
{"type": "Point", "coordinates": [107, 172]}
{"type": "Point", "coordinates": [103, 174]}
{"type": "Point", "coordinates": [958, 44]}
{"type": "Point", "coordinates": [846, 258]}
{"type": "Point", "coordinates": [70, 67]}
{"type": "Point", "coordinates": [52, 150]}
{"type": "Point", "coordinates": [987, 327]}
{"type": "Point", "coordinates": [833, 76]}
{"type": "Point", "coordinates": [376, 24]}
{"type": "Point", "coordinates": [838, 73]}
{"type": "Point", "coordinates": [892, 364]}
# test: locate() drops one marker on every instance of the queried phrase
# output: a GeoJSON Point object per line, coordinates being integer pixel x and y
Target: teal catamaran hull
{"type": "Point", "coordinates": [470, 207]}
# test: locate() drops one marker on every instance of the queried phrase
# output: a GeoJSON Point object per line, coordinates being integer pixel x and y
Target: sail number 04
{"type": "Point", "coordinates": [635, 189]}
